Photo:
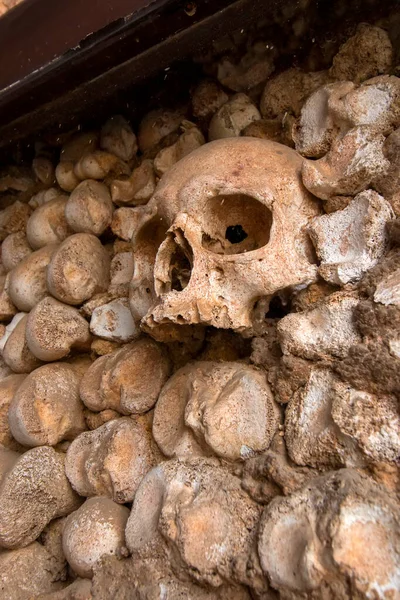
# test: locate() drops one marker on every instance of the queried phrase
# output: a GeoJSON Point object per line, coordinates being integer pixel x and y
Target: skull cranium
{"type": "Point", "coordinates": [233, 214]}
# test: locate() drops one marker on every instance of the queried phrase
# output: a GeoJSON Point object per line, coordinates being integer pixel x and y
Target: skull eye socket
{"type": "Point", "coordinates": [235, 234]}
{"type": "Point", "coordinates": [234, 224]}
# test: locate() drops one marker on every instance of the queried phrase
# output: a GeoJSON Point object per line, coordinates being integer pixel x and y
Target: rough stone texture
{"type": "Point", "coordinates": [95, 529]}
{"type": "Point", "coordinates": [327, 330]}
{"type": "Point", "coordinates": [128, 380]}
{"type": "Point", "coordinates": [34, 491]}
{"type": "Point", "coordinates": [145, 579]}
{"type": "Point", "coordinates": [46, 408]}
{"type": "Point", "coordinates": [326, 529]}
{"type": "Point", "coordinates": [271, 129]}
{"type": "Point", "coordinates": [111, 460]}
{"type": "Point", "coordinates": [207, 407]}
{"type": "Point", "coordinates": [214, 257]}
{"type": "Point", "coordinates": [348, 242]}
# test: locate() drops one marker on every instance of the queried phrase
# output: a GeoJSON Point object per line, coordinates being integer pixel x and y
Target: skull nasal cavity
{"type": "Point", "coordinates": [234, 224]}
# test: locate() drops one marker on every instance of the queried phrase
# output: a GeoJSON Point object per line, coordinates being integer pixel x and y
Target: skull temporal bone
{"type": "Point", "coordinates": [235, 212]}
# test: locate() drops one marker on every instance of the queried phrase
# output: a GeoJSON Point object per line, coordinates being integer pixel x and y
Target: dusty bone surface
{"type": "Point", "coordinates": [200, 337]}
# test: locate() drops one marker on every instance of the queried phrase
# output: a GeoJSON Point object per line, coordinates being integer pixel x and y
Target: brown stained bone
{"type": "Point", "coordinates": [113, 321]}
{"type": "Point", "coordinates": [78, 269]}
{"type": "Point", "coordinates": [14, 249]}
{"type": "Point", "coordinates": [28, 278]}
{"type": "Point", "coordinates": [28, 572]}
{"type": "Point", "coordinates": [54, 328]}
{"type": "Point", "coordinates": [16, 352]}
{"type": "Point", "coordinates": [111, 460]}
{"type": "Point", "coordinates": [96, 529]}
{"type": "Point", "coordinates": [325, 528]}
{"type": "Point", "coordinates": [113, 576]}
{"type": "Point", "coordinates": [65, 176]}
{"type": "Point", "coordinates": [389, 185]}
{"type": "Point", "coordinates": [7, 307]}
{"type": "Point", "coordinates": [121, 272]}
{"type": "Point", "coordinates": [99, 165]}
{"type": "Point", "coordinates": [118, 138]}
{"type": "Point", "coordinates": [46, 409]}
{"type": "Point", "coordinates": [43, 169]}
{"type": "Point", "coordinates": [128, 380]}
{"type": "Point", "coordinates": [8, 387]}
{"type": "Point", "coordinates": [48, 224]}
{"type": "Point", "coordinates": [14, 218]}
{"type": "Point", "coordinates": [156, 125]}
{"type": "Point", "coordinates": [207, 407]}
{"type": "Point", "coordinates": [33, 491]}
{"type": "Point", "coordinates": [197, 513]}
{"type": "Point", "coordinates": [233, 117]}
{"type": "Point", "coordinates": [371, 364]}
{"type": "Point", "coordinates": [79, 145]}
{"type": "Point", "coordinates": [137, 188]}
{"type": "Point", "coordinates": [218, 262]}
{"type": "Point", "coordinates": [329, 424]}
{"type": "Point", "coordinates": [89, 208]}
{"type": "Point", "coordinates": [189, 140]}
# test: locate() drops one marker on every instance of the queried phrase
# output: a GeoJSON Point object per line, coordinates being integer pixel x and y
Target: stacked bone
{"type": "Point", "coordinates": [200, 353]}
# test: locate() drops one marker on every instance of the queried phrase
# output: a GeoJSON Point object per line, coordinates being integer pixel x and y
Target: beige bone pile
{"type": "Point", "coordinates": [200, 343]}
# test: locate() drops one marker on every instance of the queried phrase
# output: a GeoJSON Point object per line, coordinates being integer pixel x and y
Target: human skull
{"type": "Point", "coordinates": [224, 228]}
